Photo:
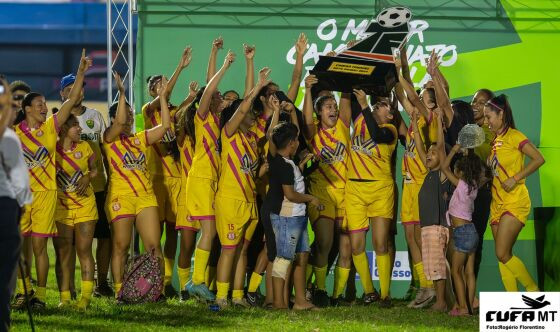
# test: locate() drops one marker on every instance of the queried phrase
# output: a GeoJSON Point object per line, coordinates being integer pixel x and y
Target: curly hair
{"type": "Point", "coordinates": [471, 168]}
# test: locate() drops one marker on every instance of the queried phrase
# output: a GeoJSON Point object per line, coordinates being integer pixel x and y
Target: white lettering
{"type": "Point", "coordinates": [351, 28]}
{"type": "Point", "coordinates": [327, 36]}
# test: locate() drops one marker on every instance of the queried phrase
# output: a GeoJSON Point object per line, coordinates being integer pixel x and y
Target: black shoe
{"type": "Point", "coordinates": [371, 298]}
{"type": "Point", "coordinates": [321, 298]}
{"type": "Point", "coordinates": [185, 296]}
{"type": "Point", "coordinates": [73, 295]}
{"type": "Point", "coordinates": [103, 290]}
{"type": "Point", "coordinates": [170, 292]}
{"type": "Point", "coordinates": [340, 302]}
{"type": "Point", "coordinates": [37, 305]}
{"type": "Point", "coordinates": [255, 299]}
{"type": "Point", "coordinates": [20, 302]}
{"type": "Point", "coordinates": [385, 303]}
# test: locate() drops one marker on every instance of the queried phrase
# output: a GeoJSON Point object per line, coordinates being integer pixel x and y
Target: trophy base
{"type": "Point", "coordinates": [345, 74]}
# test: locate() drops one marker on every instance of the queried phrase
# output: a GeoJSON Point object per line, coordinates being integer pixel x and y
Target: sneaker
{"type": "Point", "coordinates": [64, 304]}
{"type": "Point", "coordinates": [83, 304]}
{"type": "Point", "coordinates": [411, 293]}
{"type": "Point", "coordinates": [103, 290]}
{"type": "Point", "coordinates": [37, 304]}
{"type": "Point", "coordinates": [185, 296]}
{"type": "Point", "coordinates": [385, 303]}
{"type": "Point", "coordinates": [424, 298]}
{"type": "Point", "coordinates": [222, 303]}
{"type": "Point", "coordinates": [201, 292]}
{"type": "Point", "coordinates": [309, 294]}
{"type": "Point", "coordinates": [170, 292]}
{"type": "Point", "coordinates": [240, 303]}
{"type": "Point", "coordinates": [321, 298]}
{"type": "Point", "coordinates": [73, 295]}
{"type": "Point", "coordinates": [255, 299]}
{"type": "Point", "coordinates": [20, 302]}
{"type": "Point", "coordinates": [371, 297]}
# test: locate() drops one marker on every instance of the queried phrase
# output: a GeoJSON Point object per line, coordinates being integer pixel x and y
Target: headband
{"type": "Point", "coordinates": [496, 106]}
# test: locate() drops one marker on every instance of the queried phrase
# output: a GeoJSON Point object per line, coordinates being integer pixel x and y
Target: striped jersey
{"type": "Point", "coordinates": [413, 170]}
{"type": "Point", "coordinates": [159, 155]}
{"type": "Point", "coordinates": [506, 159]}
{"type": "Point", "coordinates": [127, 160]}
{"type": "Point", "coordinates": [186, 158]}
{"type": "Point", "coordinates": [71, 166]}
{"type": "Point", "coordinates": [39, 148]}
{"type": "Point", "coordinates": [330, 147]}
{"type": "Point", "coordinates": [260, 125]}
{"type": "Point", "coordinates": [369, 160]}
{"type": "Point", "coordinates": [206, 159]}
{"type": "Point", "coordinates": [239, 166]}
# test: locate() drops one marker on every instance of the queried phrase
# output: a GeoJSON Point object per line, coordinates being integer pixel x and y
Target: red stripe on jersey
{"type": "Point", "coordinates": [364, 164]}
{"type": "Point", "coordinates": [325, 176]}
{"type": "Point", "coordinates": [354, 167]}
{"type": "Point", "coordinates": [210, 132]}
{"type": "Point", "coordinates": [71, 162]}
{"type": "Point", "coordinates": [37, 179]}
{"type": "Point", "coordinates": [236, 174]}
{"type": "Point", "coordinates": [116, 168]}
{"type": "Point", "coordinates": [72, 199]}
{"type": "Point", "coordinates": [160, 155]}
{"type": "Point", "coordinates": [209, 153]}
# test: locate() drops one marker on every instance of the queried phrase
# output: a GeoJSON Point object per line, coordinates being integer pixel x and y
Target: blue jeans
{"type": "Point", "coordinates": [291, 235]}
{"type": "Point", "coordinates": [465, 238]}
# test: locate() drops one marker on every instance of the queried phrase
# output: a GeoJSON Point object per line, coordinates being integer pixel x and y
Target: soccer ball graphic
{"type": "Point", "coordinates": [394, 17]}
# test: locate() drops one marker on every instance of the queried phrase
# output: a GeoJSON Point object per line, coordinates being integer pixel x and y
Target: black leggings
{"type": "Point", "coordinates": [480, 217]}
{"type": "Point", "coordinates": [10, 246]}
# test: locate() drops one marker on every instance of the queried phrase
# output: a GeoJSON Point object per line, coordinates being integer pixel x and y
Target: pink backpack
{"type": "Point", "coordinates": [142, 281]}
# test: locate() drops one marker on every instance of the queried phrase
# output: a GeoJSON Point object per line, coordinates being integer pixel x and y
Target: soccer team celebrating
{"type": "Point", "coordinates": [233, 181]}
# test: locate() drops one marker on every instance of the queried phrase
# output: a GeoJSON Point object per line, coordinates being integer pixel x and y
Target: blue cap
{"type": "Point", "coordinates": [68, 80]}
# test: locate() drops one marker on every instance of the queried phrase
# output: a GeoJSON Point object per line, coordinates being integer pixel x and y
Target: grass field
{"type": "Point", "coordinates": [105, 315]}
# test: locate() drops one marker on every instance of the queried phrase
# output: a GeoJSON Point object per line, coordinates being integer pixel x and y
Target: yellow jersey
{"type": "Point", "coordinates": [127, 162]}
{"type": "Point", "coordinates": [260, 125]}
{"type": "Point", "coordinates": [506, 160]}
{"type": "Point", "coordinates": [239, 166]}
{"type": "Point", "coordinates": [71, 166]}
{"type": "Point", "coordinates": [206, 159]}
{"type": "Point", "coordinates": [369, 160]}
{"type": "Point", "coordinates": [186, 158]}
{"type": "Point", "coordinates": [159, 156]}
{"type": "Point", "coordinates": [413, 170]}
{"type": "Point", "coordinates": [39, 148]}
{"type": "Point", "coordinates": [330, 147]}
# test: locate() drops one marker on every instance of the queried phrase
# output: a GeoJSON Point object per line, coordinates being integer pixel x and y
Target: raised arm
{"type": "Point", "coordinates": [301, 47]}
{"type": "Point", "coordinates": [113, 132]}
{"type": "Point", "coordinates": [180, 114]}
{"type": "Point", "coordinates": [156, 133]}
{"type": "Point", "coordinates": [310, 128]}
{"type": "Point", "coordinates": [404, 64]}
{"type": "Point", "coordinates": [212, 86]}
{"type": "Point", "coordinates": [345, 109]}
{"type": "Point", "coordinates": [420, 148]}
{"type": "Point", "coordinates": [250, 76]}
{"type": "Point", "coordinates": [274, 103]}
{"type": "Point", "coordinates": [217, 45]}
{"type": "Point", "coordinates": [442, 99]}
{"type": "Point", "coordinates": [410, 92]}
{"type": "Point", "coordinates": [184, 62]}
{"type": "Point", "coordinates": [446, 166]}
{"type": "Point", "coordinates": [74, 96]}
{"type": "Point", "coordinates": [536, 161]}
{"type": "Point", "coordinates": [245, 107]}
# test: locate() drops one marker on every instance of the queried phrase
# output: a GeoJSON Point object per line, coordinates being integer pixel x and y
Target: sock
{"type": "Point", "coordinates": [320, 277]}
{"type": "Point", "coordinates": [41, 294]}
{"type": "Point", "coordinates": [211, 278]}
{"type": "Point", "coordinates": [64, 296]}
{"type": "Point", "coordinates": [362, 267]}
{"type": "Point", "coordinates": [200, 262]}
{"type": "Point", "coordinates": [169, 263]}
{"type": "Point", "coordinates": [28, 285]}
{"type": "Point", "coordinates": [415, 280]}
{"type": "Point", "coordinates": [308, 272]}
{"type": "Point", "coordinates": [340, 279]}
{"type": "Point", "coordinates": [223, 289]}
{"type": "Point", "coordinates": [20, 289]}
{"type": "Point", "coordinates": [183, 276]}
{"type": "Point", "coordinates": [384, 270]}
{"type": "Point", "coordinates": [237, 294]}
{"type": "Point", "coordinates": [254, 282]}
{"type": "Point", "coordinates": [118, 287]}
{"type": "Point", "coordinates": [419, 268]}
{"type": "Point", "coordinates": [87, 289]}
{"type": "Point", "coordinates": [508, 279]}
{"type": "Point", "coordinates": [518, 269]}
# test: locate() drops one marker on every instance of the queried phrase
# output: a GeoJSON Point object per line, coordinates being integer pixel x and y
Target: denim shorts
{"type": "Point", "coordinates": [465, 238]}
{"type": "Point", "coordinates": [291, 235]}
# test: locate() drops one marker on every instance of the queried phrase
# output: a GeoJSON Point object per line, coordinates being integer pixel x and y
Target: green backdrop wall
{"type": "Point", "coordinates": [506, 46]}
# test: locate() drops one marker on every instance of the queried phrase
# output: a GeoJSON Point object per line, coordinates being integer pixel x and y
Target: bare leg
{"type": "Point", "coordinates": [300, 266]}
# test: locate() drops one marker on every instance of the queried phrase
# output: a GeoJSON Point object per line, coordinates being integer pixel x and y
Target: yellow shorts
{"type": "Point", "coordinates": [183, 222]}
{"type": "Point", "coordinates": [232, 217]}
{"type": "Point", "coordinates": [70, 217]}
{"type": "Point", "coordinates": [368, 199]}
{"type": "Point", "coordinates": [167, 191]}
{"type": "Point", "coordinates": [201, 194]}
{"type": "Point", "coordinates": [333, 201]}
{"type": "Point", "coordinates": [519, 210]}
{"type": "Point", "coordinates": [38, 217]}
{"type": "Point", "coordinates": [127, 206]}
{"type": "Point", "coordinates": [409, 204]}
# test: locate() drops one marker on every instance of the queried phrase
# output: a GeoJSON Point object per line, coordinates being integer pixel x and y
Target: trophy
{"type": "Point", "coordinates": [368, 64]}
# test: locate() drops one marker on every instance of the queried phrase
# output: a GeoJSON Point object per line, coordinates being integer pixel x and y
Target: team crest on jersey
{"type": "Point", "coordinates": [231, 236]}
{"type": "Point", "coordinates": [78, 155]}
{"type": "Point", "coordinates": [39, 133]}
{"type": "Point", "coordinates": [116, 206]}
{"type": "Point", "coordinates": [136, 141]}
{"type": "Point", "coordinates": [66, 182]}
{"type": "Point", "coordinates": [363, 146]}
{"type": "Point", "coordinates": [248, 166]}
{"type": "Point", "coordinates": [331, 156]}
{"type": "Point", "coordinates": [37, 159]}
{"type": "Point", "coordinates": [90, 123]}
{"type": "Point", "coordinates": [134, 163]}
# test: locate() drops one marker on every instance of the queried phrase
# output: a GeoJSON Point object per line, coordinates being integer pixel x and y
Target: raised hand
{"type": "Point", "coordinates": [230, 58]}
{"type": "Point", "coordinates": [287, 107]}
{"type": "Point", "coordinates": [310, 81]}
{"type": "Point", "coordinates": [362, 97]}
{"type": "Point", "coordinates": [249, 51]}
{"type": "Point", "coordinates": [273, 103]}
{"type": "Point", "coordinates": [301, 44]}
{"type": "Point", "coordinates": [162, 91]}
{"type": "Point", "coordinates": [85, 62]}
{"type": "Point", "coordinates": [351, 43]}
{"type": "Point", "coordinates": [263, 77]}
{"type": "Point", "coordinates": [218, 43]}
{"type": "Point", "coordinates": [193, 88]}
{"type": "Point", "coordinates": [397, 60]}
{"type": "Point", "coordinates": [186, 57]}
{"type": "Point", "coordinates": [119, 82]}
